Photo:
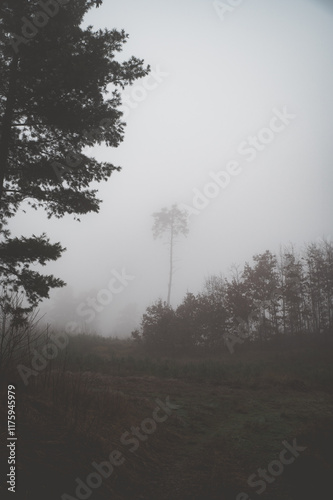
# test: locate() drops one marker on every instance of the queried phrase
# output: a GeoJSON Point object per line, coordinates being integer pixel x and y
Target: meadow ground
{"type": "Point", "coordinates": [229, 418]}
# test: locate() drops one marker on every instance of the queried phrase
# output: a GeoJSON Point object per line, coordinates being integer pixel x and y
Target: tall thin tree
{"type": "Point", "coordinates": [170, 222]}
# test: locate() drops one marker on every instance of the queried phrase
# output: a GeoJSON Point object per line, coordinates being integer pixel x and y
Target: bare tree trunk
{"type": "Point", "coordinates": [171, 266]}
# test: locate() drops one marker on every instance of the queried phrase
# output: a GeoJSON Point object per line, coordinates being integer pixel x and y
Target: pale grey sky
{"type": "Point", "coordinates": [218, 81]}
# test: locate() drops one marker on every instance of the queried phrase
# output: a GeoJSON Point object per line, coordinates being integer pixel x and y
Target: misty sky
{"type": "Point", "coordinates": [218, 80]}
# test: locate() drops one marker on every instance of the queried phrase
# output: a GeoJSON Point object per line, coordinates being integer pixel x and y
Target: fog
{"type": "Point", "coordinates": [248, 93]}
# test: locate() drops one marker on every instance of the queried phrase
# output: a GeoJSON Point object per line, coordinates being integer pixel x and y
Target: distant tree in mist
{"type": "Point", "coordinates": [170, 223]}
{"type": "Point", "coordinates": [157, 332]}
{"type": "Point", "coordinates": [262, 286]}
{"type": "Point", "coordinates": [294, 304]}
{"type": "Point", "coordinates": [269, 299]}
{"type": "Point", "coordinates": [319, 285]}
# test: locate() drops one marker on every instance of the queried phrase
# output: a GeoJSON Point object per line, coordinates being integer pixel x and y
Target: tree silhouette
{"type": "Point", "coordinates": [59, 94]}
{"type": "Point", "coordinates": [170, 222]}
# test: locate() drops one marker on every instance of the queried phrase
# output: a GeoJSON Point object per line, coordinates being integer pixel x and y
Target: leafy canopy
{"type": "Point", "coordinates": [60, 94]}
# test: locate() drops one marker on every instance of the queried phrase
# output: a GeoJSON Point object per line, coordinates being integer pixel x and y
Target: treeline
{"type": "Point", "coordinates": [277, 295]}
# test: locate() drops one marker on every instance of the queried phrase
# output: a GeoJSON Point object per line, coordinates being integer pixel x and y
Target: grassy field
{"type": "Point", "coordinates": [229, 416]}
